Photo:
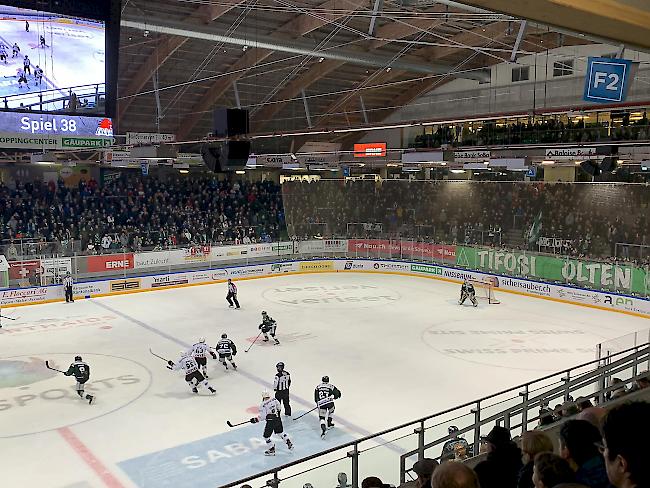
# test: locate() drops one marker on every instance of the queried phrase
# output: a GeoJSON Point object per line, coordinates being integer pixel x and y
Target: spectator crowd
{"type": "Point", "coordinates": [610, 453]}
{"type": "Point", "coordinates": [549, 131]}
{"type": "Point", "coordinates": [588, 220]}
{"type": "Point", "coordinates": [135, 212]}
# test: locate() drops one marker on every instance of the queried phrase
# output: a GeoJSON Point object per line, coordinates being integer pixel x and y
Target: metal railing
{"type": "Point", "coordinates": [511, 408]}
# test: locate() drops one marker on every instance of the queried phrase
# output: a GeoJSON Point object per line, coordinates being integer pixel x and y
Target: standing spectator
{"type": "Point", "coordinates": [454, 475]}
{"type": "Point", "coordinates": [501, 468]}
{"type": "Point", "coordinates": [532, 443]}
{"type": "Point", "coordinates": [551, 470]}
{"type": "Point", "coordinates": [424, 469]}
{"type": "Point", "coordinates": [578, 446]}
{"type": "Point", "coordinates": [67, 285]}
{"type": "Point", "coordinates": [626, 431]}
{"type": "Point", "coordinates": [232, 294]}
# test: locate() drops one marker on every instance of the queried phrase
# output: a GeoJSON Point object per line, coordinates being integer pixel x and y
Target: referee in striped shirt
{"type": "Point", "coordinates": [281, 385]}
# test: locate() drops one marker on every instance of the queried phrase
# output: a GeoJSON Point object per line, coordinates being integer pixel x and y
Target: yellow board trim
{"type": "Point", "coordinates": [289, 273]}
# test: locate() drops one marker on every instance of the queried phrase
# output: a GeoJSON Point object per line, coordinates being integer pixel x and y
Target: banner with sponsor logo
{"type": "Point", "coordinates": [324, 245]}
{"type": "Point", "coordinates": [56, 268]}
{"type": "Point", "coordinates": [586, 274]}
{"type": "Point", "coordinates": [403, 249]}
{"type": "Point", "coordinates": [540, 289]}
{"type": "Point", "coordinates": [109, 262]}
{"type": "Point", "coordinates": [24, 270]}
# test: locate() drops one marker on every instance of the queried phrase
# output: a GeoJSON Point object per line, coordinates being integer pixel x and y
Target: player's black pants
{"type": "Point", "coordinates": [68, 294]}
{"type": "Point", "coordinates": [232, 297]}
{"type": "Point", "coordinates": [283, 397]}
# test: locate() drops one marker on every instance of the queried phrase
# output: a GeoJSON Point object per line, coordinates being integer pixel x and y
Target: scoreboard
{"type": "Point", "coordinates": [50, 131]}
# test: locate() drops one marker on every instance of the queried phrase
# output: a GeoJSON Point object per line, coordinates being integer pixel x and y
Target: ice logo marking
{"type": "Point", "coordinates": [22, 373]}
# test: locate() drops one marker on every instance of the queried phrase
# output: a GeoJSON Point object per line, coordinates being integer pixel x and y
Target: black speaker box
{"type": "Point", "coordinates": [230, 155]}
{"type": "Point", "coordinates": [608, 164]}
{"type": "Point", "coordinates": [590, 167]}
{"type": "Point", "coordinates": [229, 122]}
{"type": "Point", "coordinates": [211, 154]}
{"type": "Point", "coordinates": [235, 153]}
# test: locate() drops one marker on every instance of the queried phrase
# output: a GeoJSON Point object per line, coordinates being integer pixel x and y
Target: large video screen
{"type": "Point", "coordinates": [53, 61]}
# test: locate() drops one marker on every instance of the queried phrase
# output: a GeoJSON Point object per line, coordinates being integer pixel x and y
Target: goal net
{"type": "Point", "coordinates": [485, 290]}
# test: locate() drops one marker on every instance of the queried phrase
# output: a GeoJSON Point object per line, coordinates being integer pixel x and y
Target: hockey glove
{"type": "Point", "coordinates": [170, 362]}
{"type": "Point", "coordinates": [254, 420]}
{"type": "Point", "coordinates": [169, 368]}
{"type": "Point", "coordinates": [214, 356]}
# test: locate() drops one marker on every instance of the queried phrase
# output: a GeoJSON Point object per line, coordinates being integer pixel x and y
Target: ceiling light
{"type": "Point", "coordinates": [457, 171]}
{"type": "Point", "coordinates": [548, 162]}
{"type": "Point", "coordinates": [486, 162]}
{"type": "Point", "coordinates": [321, 59]}
{"type": "Point", "coordinates": [388, 69]}
{"type": "Point", "coordinates": [183, 171]}
{"type": "Point", "coordinates": [245, 48]}
{"type": "Point", "coordinates": [240, 172]}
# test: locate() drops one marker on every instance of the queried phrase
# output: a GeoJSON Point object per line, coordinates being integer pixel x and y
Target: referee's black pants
{"type": "Point", "coordinates": [68, 294]}
{"type": "Point", "coordinates": [283, 397]}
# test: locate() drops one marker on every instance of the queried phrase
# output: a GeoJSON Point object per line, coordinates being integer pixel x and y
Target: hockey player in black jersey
{"type": "Point", "coordinates": [467, 290]}
{"type": "Point", "coordinates": [281, 384]}
{"type": "Point", "coordinates": [81, 372]}
{"type": "Point", "coordinates": [226, 349]}
{"type": "Point", "coordinates": [267, 327]}
{"type": "Point", "coordinates": [324, 396]}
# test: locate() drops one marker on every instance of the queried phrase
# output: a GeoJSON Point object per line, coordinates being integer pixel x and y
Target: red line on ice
{"type": "Point", "coordinates": [89, 458]}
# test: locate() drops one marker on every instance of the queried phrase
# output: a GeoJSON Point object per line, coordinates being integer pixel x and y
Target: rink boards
{"type": "Point", "coordinates": [134, 284]}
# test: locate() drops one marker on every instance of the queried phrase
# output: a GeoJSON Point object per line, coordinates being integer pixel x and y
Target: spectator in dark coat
{"type": "Point", "coordinates": [532, 443]}
{"type": "Point", "coordinates": [453, 474]}
{"type": "Point", "coordinates": [551, 470]}
{"type": "Point", "coordinates": [626, 431]}
{"type": "Point", "coordinates": [503, 463]}
{"type": "Point", "coordinates": [578, 446]}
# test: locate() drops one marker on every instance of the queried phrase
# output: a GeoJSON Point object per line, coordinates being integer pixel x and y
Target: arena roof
{"type": "Point", "coordinates": [348, 62]}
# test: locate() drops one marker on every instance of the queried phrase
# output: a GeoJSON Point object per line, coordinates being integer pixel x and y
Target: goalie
{"type": "Point", "coordinates": [467, 291]}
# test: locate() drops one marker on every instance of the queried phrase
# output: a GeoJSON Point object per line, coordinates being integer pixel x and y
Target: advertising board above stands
{"type": "Point", "coordinates": [594, 284]}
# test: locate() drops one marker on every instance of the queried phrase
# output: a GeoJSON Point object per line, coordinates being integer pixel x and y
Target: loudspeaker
{"type": "Point", "coordinates": [229, 122]}
{"type": "Point", "coordinates": [211, 154]}
{"type": "Point", "coordinates": [608, 164]}
{"type": "Point", "coordinates": [235, 153]}
{"type": "Point", "coordinates": [590, 167]}
{"type": "Point", "coordinates": [230, 155]}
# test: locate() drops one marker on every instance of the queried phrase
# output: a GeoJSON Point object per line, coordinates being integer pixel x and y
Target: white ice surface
{"type": "Point", "coordinates": [397, 347]}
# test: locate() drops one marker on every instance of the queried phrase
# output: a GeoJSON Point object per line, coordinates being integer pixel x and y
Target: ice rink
{"type": "Point", "coordinates": [397, 348]}
{"type": "Point", "coordinates": [74, 55]}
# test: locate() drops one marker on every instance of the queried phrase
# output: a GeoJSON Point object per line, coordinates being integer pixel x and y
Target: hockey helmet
{"type": "Point", "coordinates": [264, 312]}
{"type": "Point", "coordinates": [280, 365]}
{"type": "Point", "coordinates": [202, 340]}
{"type": "Point", "coordinates": [266, 395]}
{"type": "Point", "coordinates": [77, 358]}
{"type": "Point", "coordinates": [224, 336]}
{"type": "Point", "coordinates": [452, 429]}
{"type": "Point", "coordinates": [326, 379]}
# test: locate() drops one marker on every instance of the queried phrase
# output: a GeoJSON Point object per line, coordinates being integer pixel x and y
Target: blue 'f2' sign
{"type": "Point", "coordinates": [607, 79]}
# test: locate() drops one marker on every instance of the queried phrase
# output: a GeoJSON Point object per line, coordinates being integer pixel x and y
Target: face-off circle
{"type": "Point", "coordinates": [27, 388]}
{"type": "Point", "coordinates": [503, 343]}
{"type": "Point", "coordinates": [332, 296]}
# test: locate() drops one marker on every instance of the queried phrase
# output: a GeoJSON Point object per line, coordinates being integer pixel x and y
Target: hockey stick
{"type": "Point", "coordinates": [254, 341]}
{"type": "Point", "coordinates": [159, 357]}
{"type": "Point", "coordinates": [47, 365]}
{"type": "Point", "coordinates": [9, 318]}
{"type": "Point", "coordinates": [230, 424]}
{"type": "Point", "coordinates": [301, 416]}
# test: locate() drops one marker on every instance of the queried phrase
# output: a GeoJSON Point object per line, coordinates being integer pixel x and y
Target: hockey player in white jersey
{"type": "Point", "coordinates": [193, 376]}
{"type": "Point", "coordinates": [467, 291]}
{"type": "Point", "coordinates": [268, 326]}
{"type": "Point", "coordinates": [324, 396]}
{"type": "Point", "coordinates": [200, 352]}
{"type": "Point", "coordinates": [226, 349]}
{"type": "Point", "coordinates": [270, 411]}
